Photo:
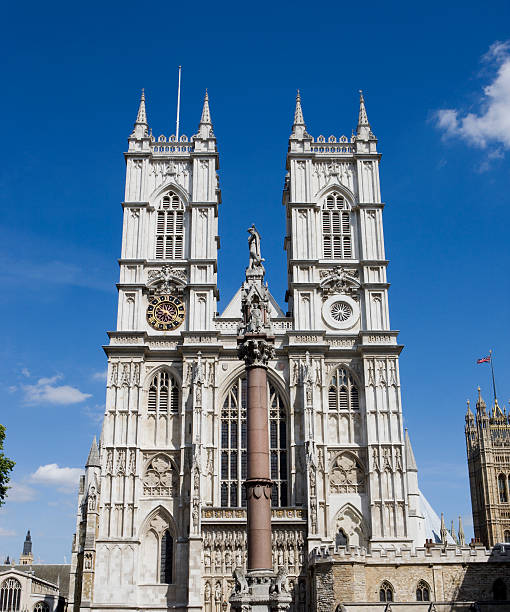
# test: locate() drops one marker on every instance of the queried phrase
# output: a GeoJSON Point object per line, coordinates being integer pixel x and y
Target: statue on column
{"type": "Point", "coordinates": [254, 246]}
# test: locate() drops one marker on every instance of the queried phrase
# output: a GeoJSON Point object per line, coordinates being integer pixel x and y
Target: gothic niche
{"type": "Point", "coordinates": [350, 524]}
{"type": "Point", "coordinates": [160, 477]}
{"type": "Point", "coordinates": [346, 475]}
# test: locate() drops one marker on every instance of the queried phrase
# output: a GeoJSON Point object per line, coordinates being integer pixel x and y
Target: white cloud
{"type": "Point", "coordinates": [26, 372]}
{"type": "Point", "coordinates": [95, 414]}
{"type": "Point", "coordinates": [20, 493]}
{"type": "Point", "coordinates": [100, 375]}
{"type": "Point", "coordinates": [6, 533]}
{"type": "Point", "coordinates": [64, 478]}
{"type": "Point", "coordinates": [492, 124]}
{"type": "Point", "coordinates": [46, 391]}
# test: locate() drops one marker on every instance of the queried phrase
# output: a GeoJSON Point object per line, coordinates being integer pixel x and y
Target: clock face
{"type": "Point", "coordinates": [166, 312]}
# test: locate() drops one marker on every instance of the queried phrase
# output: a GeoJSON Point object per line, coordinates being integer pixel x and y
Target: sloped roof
{"type": "Point", "coordinates": [432, 522]}
{"type": "Point", "coordinates": [46, 571]}
{"type": "Point", "coordinates": [233, 309]}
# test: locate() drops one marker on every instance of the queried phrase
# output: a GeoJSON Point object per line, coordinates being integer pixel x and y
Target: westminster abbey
{"type": "Point", "coordinates": [161, 521]}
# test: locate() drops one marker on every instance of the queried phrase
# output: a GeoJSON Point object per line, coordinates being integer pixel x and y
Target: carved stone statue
{"type": "Point", "coordinates": [280, 582]}
{"type": "Point", "coordinates": [241, 585]}
{"type": "Point", "coordinates": [254, 246]}
{"type": "Point", "coordinates": [255, 323]}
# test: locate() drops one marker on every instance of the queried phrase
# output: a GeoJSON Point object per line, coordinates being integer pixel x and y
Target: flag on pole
{"type": "Point", "coordinates": [484, 359]}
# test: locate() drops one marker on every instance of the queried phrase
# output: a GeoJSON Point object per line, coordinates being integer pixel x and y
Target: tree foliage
{"type": "Point", "coordinates": [6, 466]}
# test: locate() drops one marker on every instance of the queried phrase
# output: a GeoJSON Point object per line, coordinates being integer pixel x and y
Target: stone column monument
{"type": "Point", "coordinates": [259, 589]}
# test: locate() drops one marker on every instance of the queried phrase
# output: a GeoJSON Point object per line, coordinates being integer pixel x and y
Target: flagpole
{"type": "Point", "coordinates": [493, 379]}
{"type": "Point", "coordinates": [178, 107]}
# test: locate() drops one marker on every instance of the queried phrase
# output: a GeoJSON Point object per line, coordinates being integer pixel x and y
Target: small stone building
{"type": "Point", "coordinates": [432, 578]}
{"type": "Point", "coordinates": [34, 588]}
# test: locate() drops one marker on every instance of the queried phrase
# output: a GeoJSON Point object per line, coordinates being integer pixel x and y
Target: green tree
{"type": "Point", "coordinates": [6, 466]}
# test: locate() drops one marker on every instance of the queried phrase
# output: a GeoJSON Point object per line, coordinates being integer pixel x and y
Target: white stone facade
{"type": "Point", "coordinates": [161, 520]}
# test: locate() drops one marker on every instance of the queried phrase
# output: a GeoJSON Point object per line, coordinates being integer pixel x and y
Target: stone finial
{"type": "Point", "coordinates": [443, 531]}
{"type": "Point", "coordinates": [206, 113]}
{"type": "Point", "coordinates": [299, 127]}
{"type": "Point", "coordinates": [462, 537]}
{"type": "Point", "coordinates": [141, 129]}
{"type": "Point", "coordinates": [298, 113]}
{"type": "Point", "coordinates": [205, 128]}
{"type": "Point", "coordinates": [142, 114]}
{"type": "Point", "coordinates": [453, 534]}
{"type": "Point", "coordinates": [481, 406]}
{"type": "Point", "coordinates": [362, 117]}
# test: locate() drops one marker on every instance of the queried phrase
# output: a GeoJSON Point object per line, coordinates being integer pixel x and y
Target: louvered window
{"type": "Point", "coordinates": [163, 394]}
{"type": "Point", "coordinates": [336, 227]}
{"type": "Point", "coordinates": [170, 228]}
{"type": "Point", "coordinates": [233, 458]}
{"type": "Point", "coordinates": [343, 393]}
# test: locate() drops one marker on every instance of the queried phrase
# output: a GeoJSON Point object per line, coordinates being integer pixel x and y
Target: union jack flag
{"type": "Point", "coordinates": [484, 359]}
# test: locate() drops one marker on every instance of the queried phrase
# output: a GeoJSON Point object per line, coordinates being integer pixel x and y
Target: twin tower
{"type": "Point", "coordinates": [161, 518]}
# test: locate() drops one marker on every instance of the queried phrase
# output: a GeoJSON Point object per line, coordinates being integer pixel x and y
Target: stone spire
{"type": "Point", "coordinates": [453, 534]}
{"type": "Point", "coordinates": [362, 118]}
{"type": "Point", "coordinates": [443, 532]}
{"type": "Point", "coordinates": [205, 129]}
{"type": "Point", "coordinates": [298, 127]}
{"type": "Point", "coordinates": [410, 460]}
{"type": "Point", "coordinates": [141, 129]}
{"type": "Point", "coordinates": [93, 458]}
{"type": "Point", "coordinates": [481, 406]}
{"type": "Point", "coordinates": [363, 131]}
{"type": "Point", "coordinates": [142, 113]}
{"type": "Point", "coordinates": [298, 113]}
{"type": "Point", "coordinates": [462, 537]}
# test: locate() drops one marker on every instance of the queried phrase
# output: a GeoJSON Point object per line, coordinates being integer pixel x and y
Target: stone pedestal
{"type": "Point", "coordinates": [260, 591]}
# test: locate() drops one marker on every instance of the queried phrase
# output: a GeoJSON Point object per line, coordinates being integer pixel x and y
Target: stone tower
{"type": "Point", "coordinates": [27, 558]}
{"type": "Point", "coordinates": [345, 375]}
{"type": "Point", "coordinates": [162, 508]}
{"type": "Point", "coordinates": [488, 454]}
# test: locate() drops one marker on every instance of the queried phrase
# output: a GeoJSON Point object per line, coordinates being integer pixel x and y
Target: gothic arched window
{"type": "Point", "coordinates": [386, 592]}
{"type": "Point", "coordinates": [506, 537]}
{"type": "Point", "coordinates": [503, 494]}
{"type": "Point", "coordinates": [499, 590]}
{"type": "Point", "coordinates": [166, 558]}
{"type": "Point", "coordinates": [336, 227]}
{"type": "Point", "coordinates": [163, 394]}
{"type": "Point", "coordinates": [10, 595]}
{"type": "Point", "coordinates": [233, 459]}
{"type": "Point", "coordinates": [170, 227]}
{"type": "Point", "coordinates": [41, 606]}
{"type": "Point", "coordinates": [422, 591]}
{"type": "Point", "coordinates": [343, 392]}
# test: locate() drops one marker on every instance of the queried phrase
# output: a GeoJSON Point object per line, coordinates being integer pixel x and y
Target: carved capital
{"type": "Point", "coordinates": [255, 351]}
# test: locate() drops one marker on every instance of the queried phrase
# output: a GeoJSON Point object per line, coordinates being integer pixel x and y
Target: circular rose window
{"type": "Point", "coordinates": [341, 311]}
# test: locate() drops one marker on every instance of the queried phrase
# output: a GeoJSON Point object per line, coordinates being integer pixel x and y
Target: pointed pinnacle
{"type": "Point", "coordinates": [93, 458]}
{"type": "Point", "coordinates": [362, 118]}
{"type": "Point", "coordinates": [206, 113]}
{"type": "Point", "coordinates": [410, 459]}
{"type": "Point", "coordinates": [142, 115]}
{"type": "Point", "coordinates": [298, 113]}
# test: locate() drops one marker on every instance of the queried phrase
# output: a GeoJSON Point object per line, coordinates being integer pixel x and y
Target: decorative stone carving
{"type": "Point", "coordinates": [350, 521]}
{"type": "Point", "coordinates": [166, 280]}
{"type": "Point", "coordinates": [160, 477]}
{"type": "Point", "coordinates": [255, 352]}
{"type": "Point", "coordinates": [340, 280]}
{"type": "Point", "coordinates": [346, 475]}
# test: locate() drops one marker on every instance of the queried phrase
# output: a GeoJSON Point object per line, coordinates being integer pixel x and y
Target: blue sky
{"type": "Point", "coordinates": [437, 86]}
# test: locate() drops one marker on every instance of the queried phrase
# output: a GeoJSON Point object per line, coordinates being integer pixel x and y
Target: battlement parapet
{"type": "Point", "coordinates": [403, 555]}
